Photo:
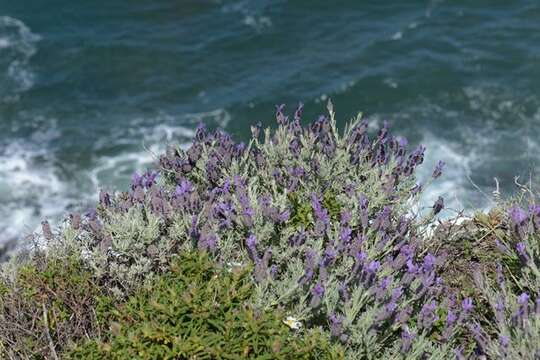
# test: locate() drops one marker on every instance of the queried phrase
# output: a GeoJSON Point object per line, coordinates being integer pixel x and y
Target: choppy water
{"type": "Point", "coordinates": [88, 91]}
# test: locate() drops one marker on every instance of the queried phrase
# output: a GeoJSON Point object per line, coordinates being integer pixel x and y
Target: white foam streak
{"type": "Point", "coordinates": [34, 187]}
{"type": "Point", "coordinates": [17, 46]}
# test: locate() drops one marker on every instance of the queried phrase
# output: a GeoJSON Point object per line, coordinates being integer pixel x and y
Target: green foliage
{"type": "Point", "coordinates": [48, 304]}
{"type": "Point", "coordinates": [302, 212]}
{"type": "Point", "coordinates": [331, 203]}
{"type": "Point", "coordinates": [197, 310]}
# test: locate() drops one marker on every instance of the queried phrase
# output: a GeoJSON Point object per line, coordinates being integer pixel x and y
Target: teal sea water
{"type": "Point", "coordinates": [90, 90]}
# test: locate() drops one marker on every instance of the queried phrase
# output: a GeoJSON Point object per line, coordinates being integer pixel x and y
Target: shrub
{"type": "Point", "coordinates": [200, 311]}
{"type": "Point", "coordinates": [513, 329]}
{"type": "Point", "coordinates": [49, 303]}
{"type": "Point", "coordinates": [326, 223]}
{"type": "Point", "coordinates": [323, 218]}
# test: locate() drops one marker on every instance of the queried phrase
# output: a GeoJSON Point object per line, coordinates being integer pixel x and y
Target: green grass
{"type": "Point", "coordinates": [199, 311]}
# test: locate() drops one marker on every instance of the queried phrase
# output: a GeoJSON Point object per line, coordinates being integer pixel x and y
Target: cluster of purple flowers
{"type": "Point", "coordinates": [364, 266]}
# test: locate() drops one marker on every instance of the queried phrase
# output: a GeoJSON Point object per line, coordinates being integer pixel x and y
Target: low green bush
{"type": "Point", "coordinates": [200, 311]}
{"type": "Point", "coordinates": [48, 304]}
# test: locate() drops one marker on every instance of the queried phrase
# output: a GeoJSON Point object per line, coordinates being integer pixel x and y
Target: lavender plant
{"type": "Point", "coordinates": [323, 218]}
{"type": "Point", "coordinates": [514, 298]}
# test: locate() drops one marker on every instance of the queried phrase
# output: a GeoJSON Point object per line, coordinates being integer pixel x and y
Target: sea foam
{"type": "Point", "coordinates": [17, 46]}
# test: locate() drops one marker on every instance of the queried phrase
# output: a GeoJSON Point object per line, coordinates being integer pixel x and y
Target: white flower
{"type": "Point", "coordinates": [293, 323]}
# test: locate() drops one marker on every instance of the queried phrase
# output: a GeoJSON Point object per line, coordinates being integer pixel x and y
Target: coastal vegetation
{"type": "Point", "coordinates": [306, 242]}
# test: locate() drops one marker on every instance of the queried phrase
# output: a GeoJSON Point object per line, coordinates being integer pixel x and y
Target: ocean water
{"type": "Point", "coordinates": [91, 92]}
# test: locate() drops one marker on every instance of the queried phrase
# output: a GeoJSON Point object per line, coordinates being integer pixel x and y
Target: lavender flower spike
{"type": "Point", "coordinates": [522, 251]}
{"type": "Point", "coordinates": [518, 215]}
{"type": "Point", "coordinates": [437, 172]}
{"type": "Point", "coordinates": [317, 293]}
{"type": "Point", "coordinates": [438, 206]}
{"type": "Point", "coordinates": [467, 305]}
{"type": "Point", "coordinates": [251, 243]}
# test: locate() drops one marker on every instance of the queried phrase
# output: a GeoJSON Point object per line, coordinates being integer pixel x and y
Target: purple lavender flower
{"type": "Point", "coordinates": [438, 206]}
{"type": "Point", "coordinates": [316, 295]}
{"type": "Point", "coordinates": [104, 199]}
{"type": "Point", "coordinates": [501, 247]}
{"type": "Point", "coordinates": [450, 318]}
{"type": "Point", "coordinates": [381, 289]}
{"type": "Point", "coordinates": [429, 263]}
{"type": "Point", "coordinates": [404, 315]}
{"type": "Point", "coordinates": [311, 264]}
{"type": "Point", "coordinates": [256, 130]}
{"type": "Point", "coordinates": [467, 305]}
{"type": "Point", "coordinates": [208, 242]}
{"type": "Point", "coordinates": [136, 180]}
{"type": "Point", "coordinates": [239, 149]}
{"type": "Point", "coordinates": [200, 133]}
{"type": "Point", "coordinates": [284, 216]}
{"type": "Point", "coordinates": [343, 292]}
{"type": "Point", "coordinates": [321, 213]}
{"type": "Point", "coordinates": [504, 341]}
{"type": "Point", "coordinates": [336, 323]}
{"type": "Point", "coordinates": [373, 267]}
{"type": "Point", "coordinates": [415, 158]}
{"type": "Point", "coordinates": [150, 178]}
{"type": "Point", "coordinates": [298, 239]}
{"type": "Point", "coordinates": [46, 230]}
{"type": "Point", "coordinates": [382, 221]}
{"type": "Point", "coordinates": [402, 143]}
{"type": "Point", "coordinates": [417, 188]}
{"type": "Point", "coordinates": [521, 315]}
{"type": "Point", "coordinates": [522, 251]}
{"type": "Point", "coordinates": [370, 271]}
{"type": "Point", "coordinates": [519, 218]}
{"type": "Point", "coordinates": [251, 243]}
{"type": "Point", "coordinates": [459, 353]}
{"type": "Point", "coordinates": [75, 220]}
{"type": "Point", "coordinates": [294, 147]}
{"type": "Point", "coordinates": [359, 260]}
{"type": "Point", "coordinates": [184, 187]}
{"type": "Point", "coordinates": [383, 131]}
{"type": "Point", "coordinates": [345, 236]}
{"type": "Point", "coordinates": [273, 271]}
{"type": "Point", "coordinates": [280, 117]}
{"type": "Point", "coordinates": [534, 211]}
{"type": "Point", "coordinates": [428, 315]}
{"type": "Point", "coordinates": [364, 214]}
{"type": "Point", "coordinates": [518, 215]}
{"type": "Point", "coordinates": [194, 153]}
{"type": "Point", "coordinates": [329, 256]}
{"type": "Point", "coordinates": [396, 293]}
{"type": "Point", "coordinates": [437, 172]}
{"type": "Point", "coordinates": [193, 231]}
{"type": "Point", "coordinates": [345, 217]}
{"type": "Point", "coordinates": [411, 267]}
{"type": "Point", "coordinates": [499, 310]}
{"type": "Point", "coordinates": [407, 339]}
{"type": "Point", "coordinates": [298, 112]}
{"type": "Point", "coordinates": [261, 266]}
{"type": "Point", "coordinates": [523, 299]}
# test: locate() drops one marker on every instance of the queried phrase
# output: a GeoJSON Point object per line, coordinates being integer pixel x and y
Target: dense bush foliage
{"type": "Point", "coordinates": [327, 223]}
{"type": "Point", "coordinates": [47, 305]}
{"type": "Point", "coordinates": [513, 331]}
{"type": "Point", "coordinates": [199, 311]}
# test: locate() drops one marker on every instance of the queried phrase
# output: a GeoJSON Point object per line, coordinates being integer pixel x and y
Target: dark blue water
{"type": "Point", "coordinates": [88, 91]}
